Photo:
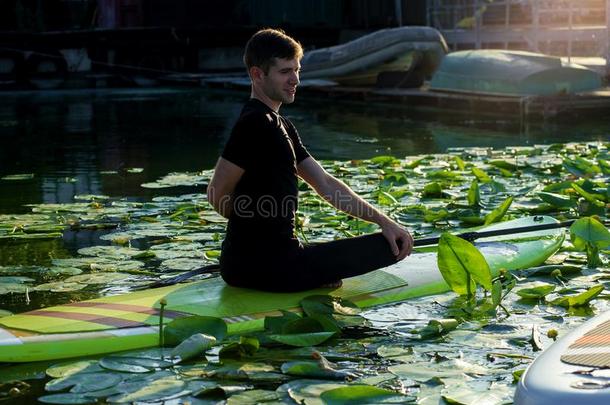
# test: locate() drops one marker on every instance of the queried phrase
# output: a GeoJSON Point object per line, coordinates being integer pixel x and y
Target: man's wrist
{"type": "Point", "coordinates": [383, 220]}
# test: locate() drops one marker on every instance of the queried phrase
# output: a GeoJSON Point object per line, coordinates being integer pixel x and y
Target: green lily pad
{"type": "Point", "coordinates": [314, 369]}
{"type": "Point", "coordinates": [253, 397]}
{"type": "Point", "coordinates": [160, 390]}
{"type": "Point", "coordinates": [363, 394]}
{"type": "Point", "coordinates": [461, 264]}
{"type": "Point", "coordinates": [84, 382]}
{"type": "Point", "coordinates": [65, 399]}
{"type": "Point", "coordinates": [182, 328]}
{"type": "Point", "coordinates": [538, 292]}
{"type": "Point", "coordinates": [67, 369]}
{"type": "Point", "coordinates": [303, 339]}
{"type": "Point", "coordinates": [579, 299]}
{"type": "Point", "coordinates": [17, 177]}
{"type": "Point", "coordinates": [497, 214]}
{"type": "Point", "coordinates": [136, 365]}
{"type": "Point", "coordinates": [193, 347]}
{"type": "Point", "coordinates": [328, 305]}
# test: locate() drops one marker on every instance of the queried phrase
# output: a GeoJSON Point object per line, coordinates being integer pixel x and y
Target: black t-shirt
{"type": "Point", "coordinates": [268, 147]}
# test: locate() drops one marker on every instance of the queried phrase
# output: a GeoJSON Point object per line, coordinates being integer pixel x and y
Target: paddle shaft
{"type": "Point", "coordinates": [470, 236]}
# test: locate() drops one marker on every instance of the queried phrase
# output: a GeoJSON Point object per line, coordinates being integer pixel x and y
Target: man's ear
{"type": "Point", "coordinates": [256, 73]}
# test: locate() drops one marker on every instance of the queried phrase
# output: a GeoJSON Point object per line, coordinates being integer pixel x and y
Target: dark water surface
{"type": "Point", "coordinates": [67, 139]}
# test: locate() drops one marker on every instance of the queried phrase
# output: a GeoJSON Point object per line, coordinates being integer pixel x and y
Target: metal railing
{"type": "Point", "coordinates": [532, 22]}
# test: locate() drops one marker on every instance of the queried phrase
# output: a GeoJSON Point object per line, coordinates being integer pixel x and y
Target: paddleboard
{"type": "Point", "coordinates": [574, 370]}
{"type": "Point", "coordinates": [130, 321]}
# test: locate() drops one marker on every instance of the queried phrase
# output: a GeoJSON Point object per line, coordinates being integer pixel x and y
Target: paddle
{"type": "Point", "coordinates": [470, 236]}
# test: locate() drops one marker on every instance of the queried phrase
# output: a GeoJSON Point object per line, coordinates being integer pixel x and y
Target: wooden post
{"type": "Point", "coordinates": [478, 17]}
{"type": "Point", "coordinates": [570, 21]}
{"type": "Point", "coordinates": [506, 20]}
{"type": "Point", "coordinates": [398, 12]}
{"type": "Point", "coordinates": [607, 37]}
{"type": "Point", "coordinates": [536, 22]}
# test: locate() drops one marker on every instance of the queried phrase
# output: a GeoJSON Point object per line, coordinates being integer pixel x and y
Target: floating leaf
{"type": "Point", "coordinates": [538, 292]}
{"type": "Point", "coordinates": [303, 339]}
{"type": "Point", "coordinates": [590, 235]}
{"type": "Point", "coordinates": [432, 190]}
{"type": "Point", "coordinates": [481, 175]}
{"type": "Point", "coordinates": [193, 347]}
{"type": "Point", "coordinates": [328, 305]}
{"type": "Point", "coordinates": [579, 299]}
{"type": "Point", "coordinates": [314, 369]}
{"type": "Point", "coordinates": [182, 328]}
{"type": "Point", "coordinates": [592, 198]}
{"type": "Point", "coordinates": [17, 177]}
{"type": "Point", "coordinates": [461, 265]}
{"type": "Point", "coordinates": [246, 346]}
{"type": "Point", "coordinates": [67, 369]}
{"type": "Point", "coordinates": [158, 391]}
{"type": "Point", "coordinates": [84, 382]}
{"type": "Point", "coordinates": [276, 324]}
{"type": "Point", "coordinates": [497, 214]}
{"type": "Point", "coordinates": [468, 393]}
{"type": "Point", "coordinates": [128, 364]}
{"type": "Point", "coordinates": [557, 200]}
{"type": "Point", "coordinates": [254, 397]}
{"type": "Point", "coordinates": [437, 328]}
{"type": "Point", "coordinates": [66, 399]}
{"type": "Point", "coordinates": [474, 195]}
{"type": "Point", "coordinates": [363, 394]}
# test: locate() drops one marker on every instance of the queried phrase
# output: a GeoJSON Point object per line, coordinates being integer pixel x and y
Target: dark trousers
{"type": "Point", "coordinates": [303, 267]}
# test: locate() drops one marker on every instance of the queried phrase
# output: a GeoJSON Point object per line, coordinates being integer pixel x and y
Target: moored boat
{"type": "Point", "coordinates": [512, 73]}
{"type": "Point", "coordinates": [405, 53]}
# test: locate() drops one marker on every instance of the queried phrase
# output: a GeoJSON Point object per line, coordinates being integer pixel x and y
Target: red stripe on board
{"type": "Point", "coordinates": [102, 320]}
{"type": "Point", "coordinates": [128, 308]}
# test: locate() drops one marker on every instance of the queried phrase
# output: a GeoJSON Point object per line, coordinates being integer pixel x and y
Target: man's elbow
{"type": "Point", "coordinates": [220, 203]}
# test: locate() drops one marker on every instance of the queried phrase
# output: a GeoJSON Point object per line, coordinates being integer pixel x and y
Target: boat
{"type": "Point", "coordinates": [130, 321]}
{"type": "Point", "coordinates": [573, 370]}
{"type": "Point", "coordinates": [512, 73]}
{"type": "Point", "coordinates": [404, 55]}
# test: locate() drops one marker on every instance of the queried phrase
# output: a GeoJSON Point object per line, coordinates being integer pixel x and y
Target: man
{"type": "Point", "coordinates": [255, 186]}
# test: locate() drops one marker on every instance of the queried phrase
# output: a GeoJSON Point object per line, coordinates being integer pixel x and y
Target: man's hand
{"type": "Point", "coordinates": [400, 240]}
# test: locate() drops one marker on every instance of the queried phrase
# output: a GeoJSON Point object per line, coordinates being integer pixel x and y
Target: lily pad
{"type": "Point", "coordinates": [538, 292]}
{"type": "Point", "coordinates": [182, 328]}
{"type": "Point", "coordinates": [303, 339]}
{"type": "Point", "coordinates": [84, 382]}
{"type": "Point", "coordinates": [363, 394]}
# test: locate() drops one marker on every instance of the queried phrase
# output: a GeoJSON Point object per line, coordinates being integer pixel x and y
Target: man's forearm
{"type": "Point", "coordinates": [345, 199]}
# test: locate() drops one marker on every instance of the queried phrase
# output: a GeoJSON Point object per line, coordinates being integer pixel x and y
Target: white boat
{"type": "Point", "coordinates": [405, 55]}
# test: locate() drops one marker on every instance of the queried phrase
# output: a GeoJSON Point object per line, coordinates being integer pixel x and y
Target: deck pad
{"type": "Point", "coordinates": [592, 349]}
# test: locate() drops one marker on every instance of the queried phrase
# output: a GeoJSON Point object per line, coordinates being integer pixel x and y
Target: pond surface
{"type": "Point", "coordinates": [68, 139]}
{"type": "Point", "coordinates": [103, 145]}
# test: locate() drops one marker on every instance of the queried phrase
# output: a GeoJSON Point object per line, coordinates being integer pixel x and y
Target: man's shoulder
{"type": "Point", "coordinates": [255, 117]}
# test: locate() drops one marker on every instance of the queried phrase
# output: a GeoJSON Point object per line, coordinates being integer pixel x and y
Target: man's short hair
{"type": "Point", "coordinates": [270, 43]}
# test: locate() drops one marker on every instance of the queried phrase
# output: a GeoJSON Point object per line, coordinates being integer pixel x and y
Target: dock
{"type": "Point", "coordinates": [522, 108]}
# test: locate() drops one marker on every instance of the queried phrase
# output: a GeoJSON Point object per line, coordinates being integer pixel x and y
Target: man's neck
{"type": "Point", "coordinates": [260, 96]}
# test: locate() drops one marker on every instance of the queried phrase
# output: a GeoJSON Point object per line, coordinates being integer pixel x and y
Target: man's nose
{"type": "Point", "coordinates": [294, 78]}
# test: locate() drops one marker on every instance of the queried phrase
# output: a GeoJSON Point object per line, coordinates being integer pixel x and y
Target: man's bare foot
{"type": "Point", "coordinates": [334, 284]}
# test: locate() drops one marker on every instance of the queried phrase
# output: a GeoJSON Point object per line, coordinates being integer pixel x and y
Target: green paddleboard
{"type": "Point", "coordinates": [130, 321]}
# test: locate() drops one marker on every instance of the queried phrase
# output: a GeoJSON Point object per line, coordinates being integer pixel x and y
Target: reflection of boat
{"type": "Point", "coordinates": [515, 73]}
{"type": "Point", "coordinates": [401, 55]}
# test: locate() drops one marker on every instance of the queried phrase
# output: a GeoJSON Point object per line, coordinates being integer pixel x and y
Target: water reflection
{"type": "Point", "coordinates": [84, 141]}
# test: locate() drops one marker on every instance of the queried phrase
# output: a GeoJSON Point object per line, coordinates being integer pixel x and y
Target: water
{"type": "Point", "coordinates": [66, 138]}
